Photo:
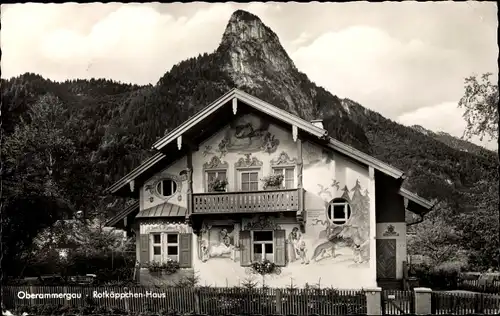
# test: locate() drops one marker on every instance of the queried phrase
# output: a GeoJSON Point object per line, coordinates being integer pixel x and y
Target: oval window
{"type": "Point", "coordinates": [166, 187]}
{"type": "Point", "coordinates": [339, 211]}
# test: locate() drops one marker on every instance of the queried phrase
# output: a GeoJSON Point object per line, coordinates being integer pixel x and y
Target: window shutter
{"type": "Point", "coordinates": [144, 248]}
{"type": "Point", "coordinates": [245, 248]}
{"type": "Point", "coordinates": [279, 248]}
{"type": "Point", "coordinates": [185, 250]}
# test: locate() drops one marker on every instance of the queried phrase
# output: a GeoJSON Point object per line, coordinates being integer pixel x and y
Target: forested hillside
{"type": "Point", "coordinates": [64, 142]}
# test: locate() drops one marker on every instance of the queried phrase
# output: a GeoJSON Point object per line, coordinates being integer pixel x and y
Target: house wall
{"type": "Point", "coordinates": [335, 255]}
{"type": "Point", "coordinates": [149, 195]}
{"type": "Point", "coordinates": [390, 217]}
{"type": "Point", "coordinates": [217, 264]}
{"type": "Point", "coordinates": [228, 146]}
{"type": "Point", "coordinates": [327, 176]}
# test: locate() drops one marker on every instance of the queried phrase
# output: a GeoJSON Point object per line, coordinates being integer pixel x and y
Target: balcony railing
{"type": "Point", "coordinates": [246, 202]}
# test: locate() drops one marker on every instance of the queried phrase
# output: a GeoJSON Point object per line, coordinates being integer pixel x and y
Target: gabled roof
{"type": "Point", "coordinates": [263, 107]}
{"type": "Point", "coordinates": [254, 102]}
{"type": "Point", "coordinates": [302, 125]}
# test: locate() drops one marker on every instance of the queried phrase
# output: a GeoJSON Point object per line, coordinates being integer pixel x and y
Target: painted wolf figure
{"type": "Point", "coordinates": [345, 235]}
{"type": "Point", "coordinates": [326, 249]}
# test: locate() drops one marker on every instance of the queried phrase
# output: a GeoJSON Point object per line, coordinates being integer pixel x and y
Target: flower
{"type": "Point", "coordinates": [273, 180]}
{"type": "Point", "coordinates": [217, 184]}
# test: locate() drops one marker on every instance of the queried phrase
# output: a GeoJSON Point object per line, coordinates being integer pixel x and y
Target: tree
{"type": "Point", "coordinates": [481, 107]}
{"type": "Point", "coordinates": [480, 228]}
{"type": "Point", "coordinates": [436, 238]}
{"type": "Point", "coordinates": [37, 157]}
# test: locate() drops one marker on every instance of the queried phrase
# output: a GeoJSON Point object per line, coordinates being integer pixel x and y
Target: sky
{"type": "Point", "coordinates": [406, 60]}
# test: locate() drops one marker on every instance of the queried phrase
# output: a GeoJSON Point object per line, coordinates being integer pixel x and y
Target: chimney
{"type": "Point", "coordinates": [318, 123]}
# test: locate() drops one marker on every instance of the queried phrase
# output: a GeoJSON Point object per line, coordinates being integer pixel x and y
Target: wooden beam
{"type": "Point", "coordinates": [373, 223]}
{"type": "Point", "coordinates": [235, 106]}
{"type": "Point", "coordinates": [179, 142]}
{"type": "Point", "coordinates": [189, 186]}
{"type": "Point", "coordinates": [300, 165]}
{"type": "Point", "coordinates": [295, 132]}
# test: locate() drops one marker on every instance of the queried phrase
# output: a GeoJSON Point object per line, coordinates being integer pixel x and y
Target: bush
{"type": "Point", "coordinates": [437, 279]}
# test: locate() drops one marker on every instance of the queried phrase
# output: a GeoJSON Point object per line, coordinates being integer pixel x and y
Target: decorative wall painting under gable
{"type": "Point", "coordinates": [248, 134]}
{"type": "Point", "coordinates": [177, 172]}
{"type": "Point", "coordinates": [248, 137]}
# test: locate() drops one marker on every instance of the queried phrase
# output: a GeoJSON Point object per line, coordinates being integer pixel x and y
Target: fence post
{"type": "Point", "coordinates": [65, 290]}
{"type": "Point", "coordinates": [197, 301]}
{"type": "Point", "coordinates": [422, 300]}
{"type": "Point", "coordinates": [278, 301]}
{"type": "Point", "coordinates": [373, 301]}
{"type": "Point", "coordinates": [479, 303]}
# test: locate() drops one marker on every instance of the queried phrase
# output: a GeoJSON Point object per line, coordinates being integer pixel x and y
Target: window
{"type": "Point", "coordinates": [167, 187]}
{"type": "Point", "coordinates": [172, 247]}
{"type": "Point", "coordinates": [156, 244]}
{"type": "Point", "coordinates": [164, 246]}
{"type": "Point", "coordinates": [288, 176]}
{"type": "Point", "coordinates": [263, 245]}
{"type": "Point", "coordinates": [212, 175]}
{"type": "Point", "coordinates": [249, 180]}
{"type": "Point", "coordinates": [339, 211]}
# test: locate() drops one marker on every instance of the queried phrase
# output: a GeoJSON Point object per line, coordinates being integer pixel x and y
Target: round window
{"type": "Point", "coordinates": [339, 211]}
{"type": "Point", "coordinates": [166, 187]}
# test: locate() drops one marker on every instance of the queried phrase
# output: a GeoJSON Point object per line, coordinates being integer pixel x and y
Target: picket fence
{"type": "Point", "coordinates": [457, 303]}
{"type": "Point", "coordinates": [209, 301]}
{"type": "Point", "coordinates": [480, 286]}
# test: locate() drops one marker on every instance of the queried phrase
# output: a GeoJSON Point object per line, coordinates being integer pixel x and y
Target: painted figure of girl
{"type": "Point", "coordinates": [292, 238]}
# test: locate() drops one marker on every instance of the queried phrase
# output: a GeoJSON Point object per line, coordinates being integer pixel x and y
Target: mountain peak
{"type": "Point", "coordinates": [242, 15]}
{"type": "Point", "coordinates": [255, 59]}
{"type": "Point", "coordinates": [245, 26]}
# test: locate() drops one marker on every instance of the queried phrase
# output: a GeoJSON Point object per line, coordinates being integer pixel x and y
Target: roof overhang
{"type": "Point", "coordinates": [415, 203]}
{"type": "Point", "coordinates": [366, 159]}
{"type": "Point", "coordinates": [299, 125]}
{"type": "Point", "coordinates": [129, 178]}
{"type": "Point", "coordinates": [112, 222]}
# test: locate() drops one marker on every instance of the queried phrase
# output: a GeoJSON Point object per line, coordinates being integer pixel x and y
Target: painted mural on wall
{"type": "Point", "coordinates": [218, 241]}
{"type": "Point", "coordinates": [247, 134]}
{"type": "Point", "coordinates": [326, 254]}
{"type": "Point", "coordinates": [156, 225]}
{"type": "Point", "coordinates": [296, 247]}
{"type": "Point", "coordinates": [351, 237]}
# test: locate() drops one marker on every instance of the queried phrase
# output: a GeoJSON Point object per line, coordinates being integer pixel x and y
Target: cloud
{"type": "Point", "coordinates": [384, 73]}
{"type": "Point", "coordinates": [131, 43]}
{"type": "Point", "coordinates": [302, 39]}
{"type": "Point", "coordinates": [445, 117]}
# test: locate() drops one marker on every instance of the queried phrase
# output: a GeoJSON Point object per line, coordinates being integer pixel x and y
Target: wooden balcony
{"type": "Point", "coordinates": [246, 202]}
